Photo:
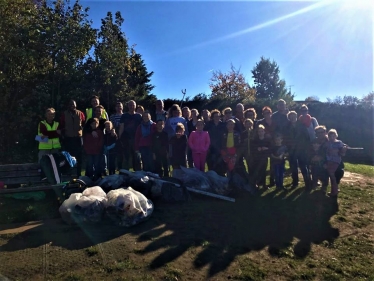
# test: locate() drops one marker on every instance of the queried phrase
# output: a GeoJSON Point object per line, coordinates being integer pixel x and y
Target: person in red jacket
{"type": "Point", "coordinates": [199, 142]}
{"type": "Point", "coordinates": [143, 141]}
{"type": "Point", "coordinates": [93, 141]}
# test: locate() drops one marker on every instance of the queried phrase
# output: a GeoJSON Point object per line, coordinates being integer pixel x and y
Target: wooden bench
{"type": "Point", "coordinates": [25, 175]}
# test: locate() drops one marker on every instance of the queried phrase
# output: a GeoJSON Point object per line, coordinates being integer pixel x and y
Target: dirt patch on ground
{"type": "Point", "coordinates": [354, 178]}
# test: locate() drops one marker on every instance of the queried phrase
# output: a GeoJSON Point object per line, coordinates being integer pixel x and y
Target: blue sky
{"type": "Point", "coordinates": [323, 48]}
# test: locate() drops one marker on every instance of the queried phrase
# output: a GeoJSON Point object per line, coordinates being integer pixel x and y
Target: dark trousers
{"type": "Point", "coordinates": [302, 160]}
{"type": "Point", "coordinates": [93, 165]}
{"type": "Point", "coordinates": [272, 182]}
{"type": "Point", "coordinates": [189, 158]}
{"type": "Point", "coordinates": [129, 154]}
{"type": "Point", "coordinates": [215, 162]}
{"type": "Point", "coordinates": [318, 172]}
{"type": "Point", "coordinates": [278, 174]}
{"type": "Point", "coordinates": [119, 154]}
{"type": "Point", "coordinates": [74, 146]}
{"type": "Point", "coordinates": [161, 166]}
{"type": "Point", "coordinates": [147, 158]}
{"type": "Point", "coordinates": [292, 160]}
{"type": "Point", "coordinates": [258, 174]}
{"type": "Point", "coordinates": [111, 160]}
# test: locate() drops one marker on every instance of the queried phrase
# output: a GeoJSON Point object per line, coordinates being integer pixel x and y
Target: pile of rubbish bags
{"type": "Point", "coordinates": [123, 198]}
{"type": "Point", "coordinates": [212, 182]}
{"type": "Point", "coordinates": [126, 207]}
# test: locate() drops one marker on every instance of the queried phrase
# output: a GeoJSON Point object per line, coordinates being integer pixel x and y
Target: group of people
{"type": "Point", "coordinates": [226, 141]}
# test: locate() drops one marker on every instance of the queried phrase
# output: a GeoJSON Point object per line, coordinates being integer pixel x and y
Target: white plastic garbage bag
{"type": "Point", "coordinates": [68, 206]}
{"type": "Point", "coordinates": [128, 207]}
{"type": "Point", "coordinates": [95, 190]}
{"type": "Point", "coordinates": [88, 206]}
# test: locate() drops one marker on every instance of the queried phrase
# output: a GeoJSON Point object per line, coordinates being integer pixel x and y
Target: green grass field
{"type": "Point", "coordinates": [276, 235]}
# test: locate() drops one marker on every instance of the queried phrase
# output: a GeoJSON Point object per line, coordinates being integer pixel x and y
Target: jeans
{"type": "Point", "coordinates": [161, 165]}
{"type": "Point", "coordinates": [147, 158]}
{"type": "Point", "coordinates": [129, 153]}
{"type": "Point", "coordinates": [304, 169]}
{"type": "Point", "coordinates": [93, 168]}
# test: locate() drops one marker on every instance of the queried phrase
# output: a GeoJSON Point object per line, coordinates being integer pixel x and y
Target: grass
{"type": "Point", "coordinates": [92, 251]}
{"type": "Point", "coordinates": [366, 170]}
{"type": "Point", "coordinates": [276, 235]}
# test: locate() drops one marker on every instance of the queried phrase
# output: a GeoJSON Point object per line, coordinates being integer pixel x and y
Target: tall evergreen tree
{"type": "Point", "coordinates": [269, 86]}
{"type": "Point", "coordinates": [119, 72]}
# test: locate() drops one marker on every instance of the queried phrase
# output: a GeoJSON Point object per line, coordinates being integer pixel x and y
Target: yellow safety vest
{"type": "Point", "coordinates": [89, 113]}
{"type": "Point", "coordinates": [52, 143]}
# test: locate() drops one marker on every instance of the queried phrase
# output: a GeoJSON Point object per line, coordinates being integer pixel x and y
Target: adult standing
{"type": "Point", "coordinates": [303, 144]}
{"type": "Point", "coordinates": [216, 129]}
{"type": "Point", "coordinates": [160, 113]}
{"type": "Point", "coordinates": [309, 122]}
{"type": "Point", "coordinates": [49, 132]}
{"type": "Point", "coordinates": [72, 122]}
{"type": "Point", "coordinates": [94, 100]}
{"type": "Point", "coordinates": [290, 140]}
{"type": "Point", "coordinates": [206, 115]}
{"type": "Point", "coordinates": [98, 114]}
{"type": "Point", "coordinates": [175, 117]}
{"type": "Point", "coordinates": [250, 113]}
{"type": "Point", "coordinates": [186, 113]}
{"type": "Point", "coordinates": [227, 112]}
{"type": "Point", "coordinates": [269, 126]}
{"type": "Point", "coordinates": [115, 119]}
{"type": "Point", "coordinates": [128, 125]}
{"type": "Point", "coordinates": [279, 117]}
{"type": "Point", "coordinates": [191, 126]}
{"type": "Point", "coordinates": [239, 112]}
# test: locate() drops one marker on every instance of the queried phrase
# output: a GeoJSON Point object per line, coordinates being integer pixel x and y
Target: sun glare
{"type": "Point", "coordinates": [357, 4]}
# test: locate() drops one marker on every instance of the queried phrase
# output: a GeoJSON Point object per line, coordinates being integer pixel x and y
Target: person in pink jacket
{"type": "Point", "coordinates": [199, 142]}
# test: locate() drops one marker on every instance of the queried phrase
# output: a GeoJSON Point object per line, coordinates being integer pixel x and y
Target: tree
{"type": "Point", "coordinates": [368, 100]}
{"type": "Point", "coordinates": [119, 71]}
{"type": "Point", "coordinates": [269, 87]}
{"type": "Point", "coordinates": [231, 85]}
{"type": "Point", "coordinates": [312, 98]}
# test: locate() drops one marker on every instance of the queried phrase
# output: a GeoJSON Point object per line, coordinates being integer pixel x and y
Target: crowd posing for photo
{"type": "Point", "coordinates": [225, 141]}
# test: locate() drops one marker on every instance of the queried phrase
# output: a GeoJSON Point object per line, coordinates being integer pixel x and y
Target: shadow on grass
{"type": "Point", "coordinates": [224, 230]}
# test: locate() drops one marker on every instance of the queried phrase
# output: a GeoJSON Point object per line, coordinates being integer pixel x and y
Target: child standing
{"type": "Point", "coordinates": [178, 148]}
{"type": "Point", "coordinates": [93, 139]}
{"type": "Point", "coordinates": [143, 141]}
{"type": "Point", "coordinates": [110, 139]}
{"type": "Point", "coordinates": [316, 162]}
{"type": "Point", "coordinates": [160, 150]}
{"type": "Point", "coordinates": [334, 150]}
{"type": "Point", "coordinates": [230, 145]}
{"type": "Point", "coordinates": [278, 153]}
{"type": "Point", "coordinates": [246, 139]}
{"type": "Point", "coordinates": [199, 142]}
{"type": "Point", "coordinates": [260, 151]}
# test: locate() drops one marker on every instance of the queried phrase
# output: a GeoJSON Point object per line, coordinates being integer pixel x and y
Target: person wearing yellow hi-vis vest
{"type": "Point", "coordinates": [49, 132]}
{"type": "Point", "coordinates": [89, 111]}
